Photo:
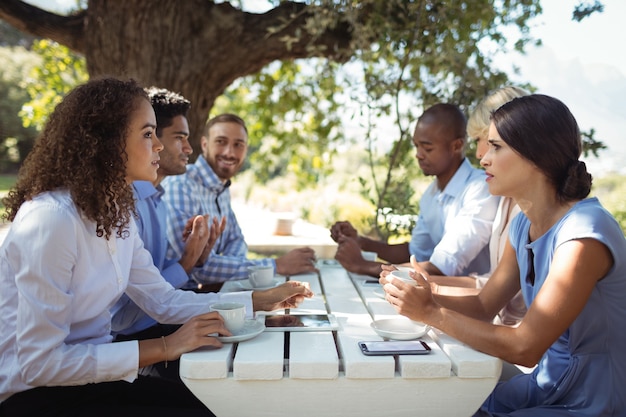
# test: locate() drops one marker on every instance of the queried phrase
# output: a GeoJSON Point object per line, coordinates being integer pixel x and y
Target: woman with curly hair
{"type": "Point", "coordinates": [73, 250]}
{"type": "Point", "coordinates": [565, 252]}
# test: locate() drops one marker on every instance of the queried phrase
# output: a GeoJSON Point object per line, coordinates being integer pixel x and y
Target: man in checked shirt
{"type": "Point", "coordinates": [204, 188]}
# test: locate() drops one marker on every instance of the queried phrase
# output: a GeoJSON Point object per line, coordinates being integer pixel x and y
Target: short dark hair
{"type": "Point", "coordinates": [543, 130]}
{"type": "Point", "coordinates": [448, 115]}
{"type": "Point", "coordinates": [224, 118]}
{"type": "Point", "coordinates": [167, 105]}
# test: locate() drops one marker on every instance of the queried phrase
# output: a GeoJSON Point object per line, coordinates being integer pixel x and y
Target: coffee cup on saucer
{"type": "Point", "coordinates": [234, 315]}
{"type": "Point", "coordinates": [261, 276]}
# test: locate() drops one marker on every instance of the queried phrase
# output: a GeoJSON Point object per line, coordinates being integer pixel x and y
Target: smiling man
{"type": "Point", "coordinates": [204, 188]}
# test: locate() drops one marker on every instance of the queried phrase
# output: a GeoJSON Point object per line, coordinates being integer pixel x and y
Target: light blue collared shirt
{"type": "Point", "coordinates": [128, 318]}
{"type": "Point", "coordinates": [454, 224]}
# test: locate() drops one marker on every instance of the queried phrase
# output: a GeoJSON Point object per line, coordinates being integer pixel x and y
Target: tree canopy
{"type": "Point", "coordinates": [200, 47]}
{"type": "Point", "coordinates": [375, 60]}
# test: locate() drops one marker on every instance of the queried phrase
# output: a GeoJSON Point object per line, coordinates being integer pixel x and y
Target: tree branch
{"type": "Point", "coordinates": [287, 20]}
{"type": "Point", "coordinates": [66, 30]}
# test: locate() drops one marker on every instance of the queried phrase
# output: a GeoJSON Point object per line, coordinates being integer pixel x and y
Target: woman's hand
{"type": "Point", "coordinates": [413, 301]}
{"type": "Point", "coordinates": [288, 295]}
{"type": "Point", "coordinates": [386, 270]}
{"type": "Point", "coordinates": [190, 336]}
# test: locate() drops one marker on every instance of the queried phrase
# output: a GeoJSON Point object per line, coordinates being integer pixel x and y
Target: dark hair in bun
{"type": "Point", "coordinates": [543, 130]}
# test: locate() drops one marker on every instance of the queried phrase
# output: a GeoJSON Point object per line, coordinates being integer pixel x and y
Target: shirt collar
{"type": "Point", "coordinates": [209, 177]}
{"type": "Point", "coordinates": [459, 180]}
{"type": "Point", "coordinates": [145, 190]}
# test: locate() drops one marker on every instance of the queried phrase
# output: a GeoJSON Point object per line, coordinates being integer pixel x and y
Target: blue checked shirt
{"type": "Point", "coordinates": [200, 191]}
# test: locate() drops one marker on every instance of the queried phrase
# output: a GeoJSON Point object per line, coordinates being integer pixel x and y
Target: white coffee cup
{"type": "Point", "coordinates": [402, 275]}
{"type": "Point", "coordinates": [261, 276]}
{"type": "Point", "coordinates": [234, 315]}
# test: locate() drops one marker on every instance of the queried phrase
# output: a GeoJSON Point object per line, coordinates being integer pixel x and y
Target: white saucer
{"type": "Point", "coordinates": [251, 328]}
{"type": "Point", "coordinates": [399, 329]}
{"type": "Point", "coordinates": [247, 285]}
{"type": "Point", "coordinates": [379, 292]}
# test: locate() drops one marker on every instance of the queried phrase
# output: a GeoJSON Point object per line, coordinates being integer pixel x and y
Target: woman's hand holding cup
{"type": "Point", "coordinates": [233, 314]}
{"type": "Point", "coordinates": [409, 292]}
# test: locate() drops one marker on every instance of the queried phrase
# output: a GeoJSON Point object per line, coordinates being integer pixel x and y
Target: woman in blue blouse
{"type": "Point", "coordinates": [568, 256]}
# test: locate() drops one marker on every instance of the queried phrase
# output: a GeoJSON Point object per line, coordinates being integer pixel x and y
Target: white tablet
{"type": "Point", "coordinates": [295, 322]}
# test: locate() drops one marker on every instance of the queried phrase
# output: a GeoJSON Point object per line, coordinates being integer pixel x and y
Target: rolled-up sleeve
{"type": "Point", "coordinates": [467, 232]}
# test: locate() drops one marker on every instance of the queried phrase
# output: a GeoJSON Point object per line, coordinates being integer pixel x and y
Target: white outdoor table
{"type": "Point", "coordinates": [325, 374]}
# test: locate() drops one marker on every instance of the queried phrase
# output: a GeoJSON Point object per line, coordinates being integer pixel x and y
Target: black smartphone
{"type": "Point", "coordinates": [371, 282]}
{"type": "Point", "coordinates": [394, 347]}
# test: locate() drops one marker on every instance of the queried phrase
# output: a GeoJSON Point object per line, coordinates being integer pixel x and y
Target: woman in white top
{"type": "Point", "coordinates": [73, 250]}
{"type": "Point", "coordinates": [478, 129]}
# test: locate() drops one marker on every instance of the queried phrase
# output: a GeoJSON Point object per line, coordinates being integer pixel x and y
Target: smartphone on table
{"type": "Point", "coordinates": [394, 347]}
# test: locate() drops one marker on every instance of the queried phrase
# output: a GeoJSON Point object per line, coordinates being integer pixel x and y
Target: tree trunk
{"type": "Point", "coordinates": [194, 47]}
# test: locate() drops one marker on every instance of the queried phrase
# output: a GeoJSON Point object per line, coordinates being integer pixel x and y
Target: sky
{"type": "Point", "coordinates": [581, 63]}
{"type": "Point", "coordinates": [584, 65]}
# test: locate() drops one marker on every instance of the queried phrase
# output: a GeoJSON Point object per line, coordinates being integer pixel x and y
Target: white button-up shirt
{"type": "Point", "coordinates": [59, 281]}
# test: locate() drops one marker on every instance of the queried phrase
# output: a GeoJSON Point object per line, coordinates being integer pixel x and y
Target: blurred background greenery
{"type": "Point", "coordinates": [326, 202]}
{"type": "Point", "coordinates": [302, 114]}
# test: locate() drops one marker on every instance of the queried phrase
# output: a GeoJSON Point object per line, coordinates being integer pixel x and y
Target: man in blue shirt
{"type": "Point", "coordinates": [453, 228]}
{"type": "Point", "coordinates": [173, 131]}
{"type": "Point", "coordinates": [129, 322]}
{"type": "Point", "coordinates": [204, 188]}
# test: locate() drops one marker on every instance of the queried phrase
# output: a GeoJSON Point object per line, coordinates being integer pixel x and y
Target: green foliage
{"type": "Point", "coordinates": [15, 140]}
{"type": "Point", "coordinates": [292, 119]}
{"type": "Point", "coordinates": [590, 144]}
{"type": "Point", "coordinates": [585, 9]}
{"type": "Point", "coordinates": [427, 53]}
{"type": "Point", "coordinates": [59, 72]}
{"type": "Point", "coordinates": [31, 84]}
{"type": "Point", "coordinates": [407, 56]}
{"type": "Point", "coordinates": [422, 53]}
{"type": "Point", "coordinates": [6, 182]}
{"type": "Point", "coordinates": [611, 190]}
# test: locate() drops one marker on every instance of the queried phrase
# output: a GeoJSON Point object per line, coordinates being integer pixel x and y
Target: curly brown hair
{"type": "Point", "coordinates": [82, 149]}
